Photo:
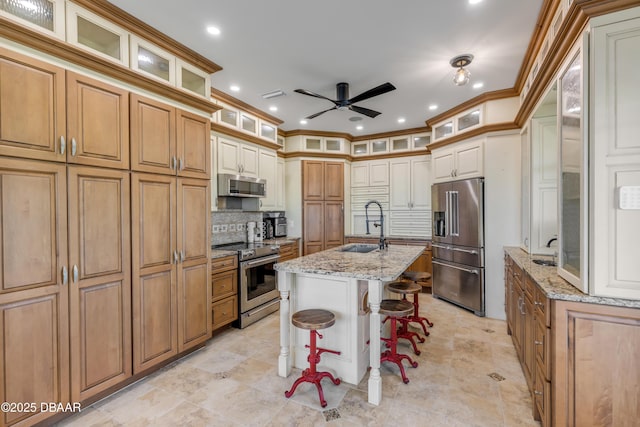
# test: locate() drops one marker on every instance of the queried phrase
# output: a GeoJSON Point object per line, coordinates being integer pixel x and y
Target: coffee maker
{"type": "Point", "coordinates": [275, 224]}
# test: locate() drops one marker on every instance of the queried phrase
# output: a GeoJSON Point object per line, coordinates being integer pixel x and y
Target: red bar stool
{"type": "Point", "coordinates": [313, 319]}
{"type": "Point", "coordinates": [405, 288]}
{"type": "Point", "coordinates": [417, 277]}
{"type": "Point", "coordinates": [395, 309]}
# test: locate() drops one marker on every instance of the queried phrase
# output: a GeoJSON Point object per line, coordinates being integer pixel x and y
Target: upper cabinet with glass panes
{"type": "Point", "coordinates": [460, 123]}
{"type": "Point", "coordinates": [394, 144]}
{"type": "Point", "coordinates": [103, 37]}
{"type": "Point", "coordinates": [41, 15]}
{"type": "Point", "coordinates": [238, 119]}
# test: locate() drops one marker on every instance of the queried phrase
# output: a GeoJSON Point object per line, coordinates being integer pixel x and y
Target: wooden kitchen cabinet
{"type": "Point", "coordinates": [289, 251]}
{"type": "Point", "coordinates": [323, 205]}
{"type": "Point", "coordinates": [97, 123]}
{"type": "Point", "coordinates": [34, 293]}
{"type": "Point", "coordinates": [171, 286]}
{"type": "Point", "coordinates": [224, 288]}
{"type": "Point", "coordinates": [99, 279]}
{"type": "Point", "coordinates": [167, 140]}
{"type": "Point", "coordinates": [32, 108]}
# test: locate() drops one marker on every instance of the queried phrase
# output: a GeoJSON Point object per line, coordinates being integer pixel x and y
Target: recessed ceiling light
{"type": "Point", "coordinates": [401, 120]}
{"type": "Point", "coordinates": [478, 85]}
{"type": "Point", "coordinates": [474, 1]}
{"type": "Point", "coordinates": [359, 127]}
{"type": "Point", "coordinates": [303, 122]}
{"type": "Point", "coordinates": [273, 108]}
{"type": "Point", "coordinates": [215, 31]}
{"type": "Point", "coordinates": [234, 88]}
{"type": "Point", "coordinates": [433, 107]}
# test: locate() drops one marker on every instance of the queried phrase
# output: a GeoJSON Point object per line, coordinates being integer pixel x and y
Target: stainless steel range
{"type": "Point", "coordinates": [258, 293]}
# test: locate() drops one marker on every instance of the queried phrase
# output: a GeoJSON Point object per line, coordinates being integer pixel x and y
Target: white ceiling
{"type": "Point", "coordinates": [291, 44]}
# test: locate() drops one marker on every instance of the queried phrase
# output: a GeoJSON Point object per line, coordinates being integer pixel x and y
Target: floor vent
{"type": "Point", "coordinates": [496, 376]}
{"type": "Point", "coordinates": [331, 414]}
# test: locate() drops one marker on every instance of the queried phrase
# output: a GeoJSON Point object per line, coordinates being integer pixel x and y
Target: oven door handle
{"type": "Point", "coordinates": [260, 261]}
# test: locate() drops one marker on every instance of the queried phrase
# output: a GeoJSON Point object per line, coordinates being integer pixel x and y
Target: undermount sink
{"type": "Point", "coordinates": [361, 249]}
{"type": "Point", "coordinates": [547, 262]}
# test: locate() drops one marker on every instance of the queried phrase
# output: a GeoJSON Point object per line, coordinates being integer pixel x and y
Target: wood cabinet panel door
{"type": "Point", "coordinates": [333, 181]}
{"type": "Point", "coordinates": [32, 108]}
{"type": "Point", "coordinates": [34, 325]}
{"type": "Point", "coordinates": [194, 268]}
{"type": "Point", "coordinates": [153, 136]}
{"type": "Point", "coordinates": [333, 224]}
{"type": "Point", "coordinates": [154, 256]}
{"type": "Point", "coordinates": [97, 123]}
{"type": "Point", "coordinates": [100, 285]}
{"type": "Point", "coordinates": [193, 145]}
{"type": "Point", "coordinates": [313, 217]}
{"type": "Point", "coordinates": [313, 180]}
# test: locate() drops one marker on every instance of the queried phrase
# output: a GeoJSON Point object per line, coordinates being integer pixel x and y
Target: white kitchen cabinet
{"type": "Point", "coordinates": [237, 158]}
{"type": "Point", "coordinates": [268, 163]}
{"type": "Point", "coordinates": [410, 183]}
{"type": "Point", "coordinates": [359, 225]}
{"type": "Point", "coordinates": [544, 184]}
{"type": "Point", "coordinates": [416, 223]}
{"type": "Point", "coordinates": [458, 161]}
{"type": "Point", "coordinates": [280, 188]}
{"type": "Point", "coordinates": [370, 173]}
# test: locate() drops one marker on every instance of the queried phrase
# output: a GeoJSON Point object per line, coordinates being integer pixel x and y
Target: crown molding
{"type": "Point", "coordinates": [243, 136]}
{"type": "Point", "coordinates": [68, 52]}
{"type": "Point", "coordinates": [241, 105]}
{"type": "Point", "coordinates": [136, 26]}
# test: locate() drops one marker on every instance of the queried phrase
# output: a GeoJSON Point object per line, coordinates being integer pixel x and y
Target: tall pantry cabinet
{"type": "Point", "coordinates": [323, 205]}
{"type": "Point", "coordinates": [66, 277]}
{"type": "Point", "coordinates": [70, 213]}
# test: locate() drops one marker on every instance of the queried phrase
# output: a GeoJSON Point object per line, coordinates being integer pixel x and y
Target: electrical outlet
{"type": "Point", "coordinates": [240, 227]}
{"type": "Point", "coordinates": [223, 228]}
{"type": "Point", "coordinates": [215, 228]}
{"type": "Point", "coordinates": [232, 227]}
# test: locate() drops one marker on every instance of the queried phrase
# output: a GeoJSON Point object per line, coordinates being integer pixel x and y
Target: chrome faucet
{"type": "Point", "coordinates": [382, 243]}
{"type": "Point", "coordinates": [551, 241]}
{"type": "Point", "coordinates": [555, 253]}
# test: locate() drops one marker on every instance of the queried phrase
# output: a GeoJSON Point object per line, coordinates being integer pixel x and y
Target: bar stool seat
{"type": "Point", "coordinates": [405, 288]}
{"type": "Point", "coordinates": [395, 309]}
{"type": "Point", "coordinates": [416, 277]}
{"type": "Point", "coordinates": [314, 319]}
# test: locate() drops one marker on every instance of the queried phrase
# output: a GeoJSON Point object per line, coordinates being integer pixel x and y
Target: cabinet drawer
{"type": "Point", "coordinates": [529, 287]}
{"type": "Point", "coordinates": [542, 398]}
{"type": "Point", "coordinates": [542, 306]}
{"type": "Point", "coordinates": [223, 264]}
{"type": "Point", "coordinates": [224, 311]}
{"type": "Point", "coordinates": [543, 349]}
{"type": "Point", "coordinates": [224, 284]}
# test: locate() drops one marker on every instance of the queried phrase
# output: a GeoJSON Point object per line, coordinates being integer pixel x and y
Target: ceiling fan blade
{"type": "Point", "coordinates": [306, 92]}
{"type": "Point", "coordinates": [321, 112]}
{"type": "Point", "coordinates": [365, 111]}
{"type": "Point", "coordinates": [379, 90]}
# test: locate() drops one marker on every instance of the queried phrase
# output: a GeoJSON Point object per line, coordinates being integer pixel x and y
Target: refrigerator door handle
{"type": "Point", "coordinates": [435, 245]}
{"type": "Point", "coordinates": [454, 214]}
{"type": "Point", "coordinates": [447, 211]}
{"type": "Point", "coordinates": [472, 252]}
{"type": "Point", "coordinates": [456, 267]}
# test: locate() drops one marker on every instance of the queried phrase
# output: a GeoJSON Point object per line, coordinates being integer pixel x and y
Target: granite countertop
{"type": "Point", "coordinates": [385, 265]}
{"type": "Point", "coordinates": [554, 286]}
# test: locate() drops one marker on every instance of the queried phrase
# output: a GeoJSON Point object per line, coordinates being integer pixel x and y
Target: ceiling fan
{"type": "Point", "coordinates": [345, 103]}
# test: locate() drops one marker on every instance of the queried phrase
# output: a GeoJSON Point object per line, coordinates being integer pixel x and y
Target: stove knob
{"type": "Point", "coordinates": [250, 252]}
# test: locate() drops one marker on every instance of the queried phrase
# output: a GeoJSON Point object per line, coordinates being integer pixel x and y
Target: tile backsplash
{"type": "Point", "coordinates": [231, 226]}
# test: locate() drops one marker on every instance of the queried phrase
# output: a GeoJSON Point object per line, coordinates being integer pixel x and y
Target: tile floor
{"type": "Point", "coordinates": [233, 381]}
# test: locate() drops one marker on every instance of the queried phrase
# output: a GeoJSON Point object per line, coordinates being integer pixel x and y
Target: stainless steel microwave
{"type": "Point", "coordinates": [241, 186]}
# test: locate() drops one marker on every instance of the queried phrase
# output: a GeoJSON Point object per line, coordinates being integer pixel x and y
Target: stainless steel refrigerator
{"type": "Point", "coordinates": [458, 243]}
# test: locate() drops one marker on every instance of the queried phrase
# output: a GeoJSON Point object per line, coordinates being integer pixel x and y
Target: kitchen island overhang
{"type": "Point", "coordinates": [346, 283]}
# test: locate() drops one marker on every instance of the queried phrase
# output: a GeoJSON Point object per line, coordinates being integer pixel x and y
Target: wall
{"type": "Point", "coordinates": [501, 213]}
{"type": "Point", "coordinates": [293, 196]}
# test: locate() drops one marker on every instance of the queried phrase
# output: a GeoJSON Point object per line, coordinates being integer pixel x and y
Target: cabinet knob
{"type": "Point", "coordinates": [538, 393]}
{"type": "Point", "coordinates": [538, 342]}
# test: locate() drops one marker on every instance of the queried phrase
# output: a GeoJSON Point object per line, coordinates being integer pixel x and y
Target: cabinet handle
{"type": "Point", "coordinates": [538, 342]}
{"type": "Point", "coordinates": [73, 147]}
{"type": "Point", "coordinates": [63, 145]}
{"type": "Point", "coordinates": [538, 393]}
{"type": "Point", "coordinates": [75, 273]}
{"type": "Point", "coordinates": [65, 275]}
{"type": "Point", "coordinates": [537, 303]}
{"type": "Point", "coordinates": [181, 167]}
{"type": "Point", "coordinates": [175, 257]}
{"type": "Point", "coordinates": [182, 256]}
{"type": "Point", "coordinates": [173, 162]}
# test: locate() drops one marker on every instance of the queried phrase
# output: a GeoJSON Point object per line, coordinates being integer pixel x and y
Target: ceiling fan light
{"type": "Point", "coordinates": [461, 77]}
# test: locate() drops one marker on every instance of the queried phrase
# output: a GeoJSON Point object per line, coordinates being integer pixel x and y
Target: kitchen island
{"type": "Point", "coordinates": [350, 284]}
